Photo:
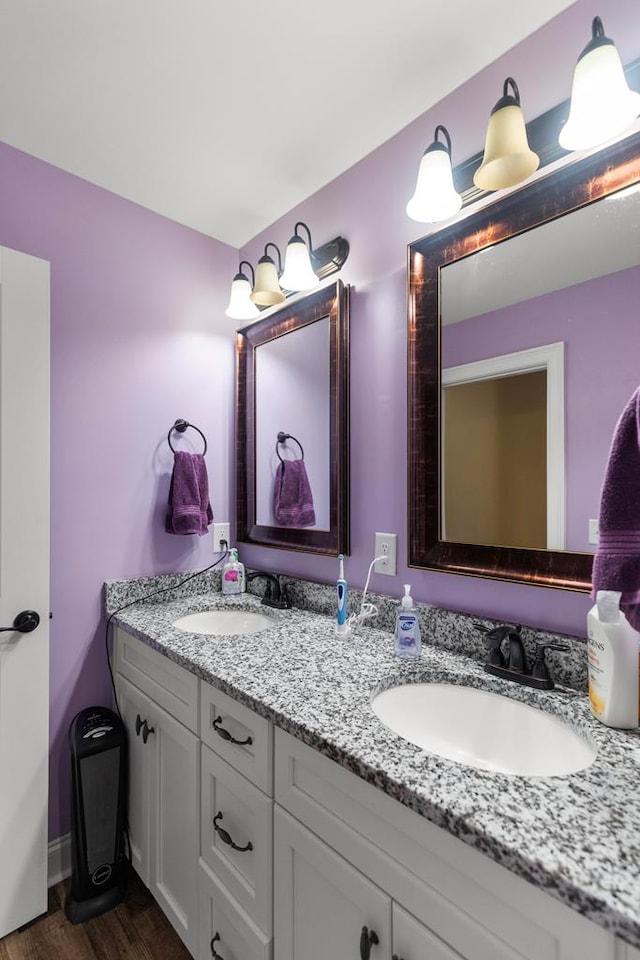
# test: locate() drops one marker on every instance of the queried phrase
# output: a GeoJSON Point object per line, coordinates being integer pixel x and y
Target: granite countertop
{"type": "Point", "coordinates": [577, 837]}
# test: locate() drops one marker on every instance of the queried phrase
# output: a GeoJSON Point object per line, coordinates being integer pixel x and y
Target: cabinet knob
{"type": "Point", "coordinates": [214, 952]}
{"type": "Point", "coordinates": [146, 731]}
{"type": "Point", "coordinates": [227, 736]}
{"type": "Point", "coordinates": [396, 957]}
{"type": "Point", "coordinates": [226, 837]}
{"type": "Point", "coordinates": [367, 939]}
{"type": "Point", "coordinates": [138, 725]}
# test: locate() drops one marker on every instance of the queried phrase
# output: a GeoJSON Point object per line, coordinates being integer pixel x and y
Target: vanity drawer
{"type": "Point", "coordinates": [168, 684]}
{"type": "Point", "coordinates": [246, 815]}
{"type": "Point", "coordinates": [238, 938]}
{"type": "Point", "coordinates": [414, 941]}
{"type": "Point", "coordinates": [238, 735]}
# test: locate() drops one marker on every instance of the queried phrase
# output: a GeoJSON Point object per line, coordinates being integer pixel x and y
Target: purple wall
{"type": "Point", "coordinates": [592, 319]}
{"type": "Point", "coordinates": [138, 338]}
{"type": "Point", "coordinates": [366, 205]}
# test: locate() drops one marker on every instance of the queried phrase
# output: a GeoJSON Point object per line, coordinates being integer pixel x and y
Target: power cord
{"type": "Point", "coordinates": [148, 596]}
{"type": "Point", "coordinates": [367, 610]}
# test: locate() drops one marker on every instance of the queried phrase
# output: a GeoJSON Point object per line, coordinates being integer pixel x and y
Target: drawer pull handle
{"type": "Point", "coordinates": [138, 725]}
{"type": "Point", "coordinates": [367, 938]}
{"type": "Point", "coordinates": [146, 731]}
{"type": "Point", "coordinates": [226, 837]}
{"type": "Point", "coordinates": [214, 952]}
{"type": "Point", "coordinates": [227, 736]}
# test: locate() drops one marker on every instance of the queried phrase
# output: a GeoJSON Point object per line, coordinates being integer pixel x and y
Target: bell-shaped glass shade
{"type": "Point", "coordinates": [240, 305]}
{"type": "Point", "coordinates": [298, 273]}
{"type": "Point", "coordinates": [435, 197]}
{"type": "Point", "coordinates": [508, 159]}
{"type": "Point", "coordinates": [266, 289]}
{"type": "Point", "coordinates": [602, 105]}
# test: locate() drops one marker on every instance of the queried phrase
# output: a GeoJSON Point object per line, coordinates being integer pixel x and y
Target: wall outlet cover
{"type": "Point", "coordinates": [221, 531]}
{"type": "Point", "coordinates": [386, 546]}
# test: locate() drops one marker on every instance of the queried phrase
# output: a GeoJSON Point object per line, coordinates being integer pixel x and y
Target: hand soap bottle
{"type": "Point", "coordinates": [613, 651]}
{"type": "Point", "coordinates": [407, 636]}
{"type": "Point", "coordinates": [232, 575]}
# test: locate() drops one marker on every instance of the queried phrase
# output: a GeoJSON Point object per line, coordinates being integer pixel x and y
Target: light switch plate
{"type": "Point", "coordinates": [594, 532]}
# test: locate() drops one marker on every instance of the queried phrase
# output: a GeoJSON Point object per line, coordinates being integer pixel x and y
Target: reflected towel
{"type": "Point", "coordinates": [189, 510]}
{"type": "Point", "coordinates": [617, 563]}
{"type": "Point", "coordinates": [292, 498]}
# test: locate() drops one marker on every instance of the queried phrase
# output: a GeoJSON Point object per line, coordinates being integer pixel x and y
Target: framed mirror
{"type": "Point", "coordinates": [292, 425]}
{"type": "Point", "coordinates": [523, 347]}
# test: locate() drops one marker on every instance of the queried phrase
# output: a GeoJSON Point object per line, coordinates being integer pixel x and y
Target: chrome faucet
{"type": "Point", "coordinates": [275, 592]}
{"type": "Point", "coordinates": [511, 663]}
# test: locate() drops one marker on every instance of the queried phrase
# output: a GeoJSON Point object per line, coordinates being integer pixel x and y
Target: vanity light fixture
{"type": "Point", "coordinates": [435, 197]}
{"type": "Point", "coordinates": [298, 275]}
{"type": "Point", "coordinates": [602, 105]}
{"type": "Point", "coordinates": [241, 306]}
{"type": "Point", "coordinates": [304, 269]}
{"type": "Point", "coordinates": [266, 289]}
{"type": "Point", "coordinates": [508, 159]}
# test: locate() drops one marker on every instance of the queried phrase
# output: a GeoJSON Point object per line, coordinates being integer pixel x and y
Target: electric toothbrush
{"type": "Point", "coordinates": [342, 627]}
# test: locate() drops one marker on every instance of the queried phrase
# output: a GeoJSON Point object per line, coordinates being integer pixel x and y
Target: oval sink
{"type": "Point", "coordinates": [483, 729]}
{"type": "Point", "coordinates": [221, 622]}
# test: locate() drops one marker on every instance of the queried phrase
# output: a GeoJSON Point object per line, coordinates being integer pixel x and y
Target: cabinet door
{"type": "Point", "coordinates": [323, 907]}
{"type": "Point", "coordinates": [174, 791]}
{"type": "Point", "coordinates": [232, 809]}
{"type": "Point", "coordinates": [414, 941]}
{"type": "Point", "coordinates": [134, 707]}
{"type": "Point", "coordinates": [226, 931]}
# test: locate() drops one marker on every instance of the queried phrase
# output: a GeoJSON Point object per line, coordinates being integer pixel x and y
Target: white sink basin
{"type": "Point", "coordinates": [220, 622]}
{"type": "Point", "coordinates": [483, 729]}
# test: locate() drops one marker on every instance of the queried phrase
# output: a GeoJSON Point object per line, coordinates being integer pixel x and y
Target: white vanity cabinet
{"type": "Point", "coordinates": [445, 900]}
{"type": "Point", "coordinates": [163, 782]}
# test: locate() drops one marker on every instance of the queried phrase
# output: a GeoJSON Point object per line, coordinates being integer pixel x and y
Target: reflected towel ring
{"type": "Point", "coordinates": [181, 426]}
{"type": "Point", "coordinates": [282, 438]}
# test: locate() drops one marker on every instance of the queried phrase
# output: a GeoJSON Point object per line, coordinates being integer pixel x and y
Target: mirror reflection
{"type": "Point", "coordinates": [537, 363]}
{"type": "Point", "coordinates": [292, 396]}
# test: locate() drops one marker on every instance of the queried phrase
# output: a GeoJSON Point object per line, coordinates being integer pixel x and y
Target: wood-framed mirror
{"type": "Point", "coordinates": [465, 311]}
{"type": "Point", "coordinates": [292, 425]}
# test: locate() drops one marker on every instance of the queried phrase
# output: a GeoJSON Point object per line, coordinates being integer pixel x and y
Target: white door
{"type": "Point", "coordinates": [24, 585]}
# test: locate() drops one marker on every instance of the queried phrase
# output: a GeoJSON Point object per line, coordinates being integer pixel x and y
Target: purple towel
{"type": "Point", "coordinates": [292, 499]}
{"type": "Point", "coordinates": [189, 510]}
{"type": "Point", "coordinates": [617, 562]}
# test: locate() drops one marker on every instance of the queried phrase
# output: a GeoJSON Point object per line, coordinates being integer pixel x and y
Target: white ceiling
{"type": "Point", "coordinates": [225, 115]}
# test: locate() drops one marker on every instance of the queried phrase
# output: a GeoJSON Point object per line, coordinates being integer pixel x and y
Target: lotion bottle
{"type": "Point", "coordinates": [407, 636]}
{"type": "Point", "coordinates": [613, 661]}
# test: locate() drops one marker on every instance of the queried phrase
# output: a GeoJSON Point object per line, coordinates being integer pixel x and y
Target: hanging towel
{"type": "Point", "coordinates": [189, 510]}
{"type": "Point", "coordinates": [617, 561]}
{"type": "Point", "coordinates": [292, 499]}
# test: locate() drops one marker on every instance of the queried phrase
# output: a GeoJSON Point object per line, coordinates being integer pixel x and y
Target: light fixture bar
{"type": "Point", "coordinates": [330, 257]}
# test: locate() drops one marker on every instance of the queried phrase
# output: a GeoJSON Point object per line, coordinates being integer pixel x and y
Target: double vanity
{"type": "Point", "coordinates": [274, 815]}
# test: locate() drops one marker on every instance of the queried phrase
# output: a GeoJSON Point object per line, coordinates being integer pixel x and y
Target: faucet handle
{"type": "Point", "coordinates": [540, 669]}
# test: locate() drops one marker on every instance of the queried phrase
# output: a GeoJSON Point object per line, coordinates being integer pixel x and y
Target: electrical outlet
{"type": "Point", "coordinates": [221, 531]}
{"type": "Point", "coordinates": [386, 547]}
{"type": "Point", "coordinates": [594, 531]}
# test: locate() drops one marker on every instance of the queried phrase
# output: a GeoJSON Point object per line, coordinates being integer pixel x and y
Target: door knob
{"type": "Point", "coordinates": [25, 622]}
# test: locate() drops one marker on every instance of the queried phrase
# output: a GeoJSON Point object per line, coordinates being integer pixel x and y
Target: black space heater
{"type": "Point", "coordinates": [98, 785]}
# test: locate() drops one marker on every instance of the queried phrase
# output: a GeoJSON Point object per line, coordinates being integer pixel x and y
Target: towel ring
{"type": "Point", "coordinates": [282, 438]}
{"type": "Point", "coordinates": [181, 426]}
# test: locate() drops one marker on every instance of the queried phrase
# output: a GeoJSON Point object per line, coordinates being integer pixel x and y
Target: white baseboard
{"type": "Point", "coordinates": [59, 860]}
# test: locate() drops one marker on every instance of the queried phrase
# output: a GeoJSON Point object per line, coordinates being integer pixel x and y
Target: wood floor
{"type": "Point", "coordinates": [135, 930]}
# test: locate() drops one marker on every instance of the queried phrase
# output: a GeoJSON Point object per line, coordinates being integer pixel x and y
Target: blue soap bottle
{"type": "Point", "coordinates": [407, 636]}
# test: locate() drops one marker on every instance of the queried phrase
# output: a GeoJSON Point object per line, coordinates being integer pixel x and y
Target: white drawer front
{"type": "Point", "coordinates": [225, 929]}
{"type": "Point", "coordinates": [238, 735]}
{"type": "Point", "coordinates": [164, 681]}
{"type": "Point", "coordinates": [243, 814]}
